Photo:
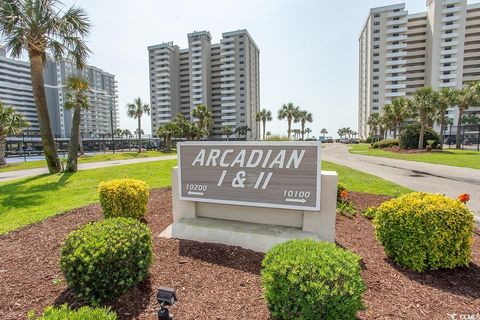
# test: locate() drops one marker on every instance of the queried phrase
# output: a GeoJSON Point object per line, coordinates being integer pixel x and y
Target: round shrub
{"type": "Point", "coordinates": [84, 313]}
{"type": "Point", "coordinates": [311, 280]}
{"type": "Point", "coordinates": [124, 198]}
{"type": "Point", "coordinates": [387, 143]}
{"type": "Point", "coordinates": [102, 260]}
{"type": "Point", "coordinates": [409, 136]}
{"type": "Point", "coordinates": [423, 231]}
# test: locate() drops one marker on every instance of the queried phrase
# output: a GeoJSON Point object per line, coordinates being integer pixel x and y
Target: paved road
{"type": "Point", "coordinates": [10, 175]}
{"type": "Point", "coordinates": [419, 176]}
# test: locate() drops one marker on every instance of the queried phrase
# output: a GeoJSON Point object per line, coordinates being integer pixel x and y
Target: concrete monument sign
{"type": "Point", "coordinates": [263, 174]}
{"type": "Point", "coordinates": [251, 194]}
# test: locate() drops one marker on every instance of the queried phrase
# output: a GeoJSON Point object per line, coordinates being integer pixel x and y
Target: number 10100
{"type": "Point", "coordinates": [296, 194]}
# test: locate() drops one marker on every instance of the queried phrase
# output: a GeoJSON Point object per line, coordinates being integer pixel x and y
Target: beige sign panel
{"type": "Point", "coordinates": [264, 174]}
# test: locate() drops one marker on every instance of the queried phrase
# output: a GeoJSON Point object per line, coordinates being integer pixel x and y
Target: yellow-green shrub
{"type": "Point", "coordinates": [124, 198]}
{"type": "Point", "coordinates": [423, 231]}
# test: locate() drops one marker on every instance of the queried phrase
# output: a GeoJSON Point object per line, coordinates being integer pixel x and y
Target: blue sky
{"type": "Point", "coordinates": [308, 48]}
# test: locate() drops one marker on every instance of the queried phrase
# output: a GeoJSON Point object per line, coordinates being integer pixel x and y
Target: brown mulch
{"type": "Point", "coordinates": [222, 282]}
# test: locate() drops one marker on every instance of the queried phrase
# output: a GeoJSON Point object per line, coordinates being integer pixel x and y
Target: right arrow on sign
{"type": "Point", "coordinates": [296, 200]}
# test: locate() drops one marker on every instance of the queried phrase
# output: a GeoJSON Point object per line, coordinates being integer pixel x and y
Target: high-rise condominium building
{"type": "Point", "coordinates": [16, 91]}
{"type": "Point", "coordinates": [401, 52]}
{"type": "Point", "coordinates": [222, 76]}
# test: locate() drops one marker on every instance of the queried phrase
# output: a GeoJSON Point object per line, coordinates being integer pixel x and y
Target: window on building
{"type": "Point", "coordinates": [375, 85]}
{"type": "Point", "coordinates": [376, 15]}
{"type": "Point", "coordinates": [376, 54]}
{"type": "Point", "coordinates": [375, 100]}
{"type": "Point", "coordinates": [376, 39]}
{"type": "Point", "coordinates": [376, 31]}
{"type": "Point", "coordinates": [376, 69]}
{"type": "Point", "coordinates": [375, 93]}
{"type": "Point", "coordinates": [375, 108]}
{"type": "Point", "coordinates": [376, 46]}
{"type": "Point", "coordinates": [376, 23]}
{"type": "Point", "coordinates": [376, 62]}
{"type": "Point", "coordinates": [375, 77]}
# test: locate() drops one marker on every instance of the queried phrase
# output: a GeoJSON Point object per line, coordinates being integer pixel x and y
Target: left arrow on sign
{"type": "Point", "coordinates": [193, 193]}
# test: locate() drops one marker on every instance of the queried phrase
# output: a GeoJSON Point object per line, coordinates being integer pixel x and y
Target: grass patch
{"type": "Point", "coordinates": [449, 157]}
{"type": "Point", "coordinates": [87, 159]}
{"type": "Point", "coordinates": [358, 181]}
{"type": "Point", "coordinates": [30, 200]}
{"type": "Point", "coordinates": [34, 199]}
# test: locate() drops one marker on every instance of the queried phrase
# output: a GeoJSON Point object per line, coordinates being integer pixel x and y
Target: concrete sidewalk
{"type": "Point", "coordinates": [11, 175]}
{"type": "Point", "coordinates": [418, 176]}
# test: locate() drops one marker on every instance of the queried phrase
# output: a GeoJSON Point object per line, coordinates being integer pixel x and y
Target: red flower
{"type": "Point", "coordinates": [344, 194]}
{"type": "Point", "coordinates": [464, 197]}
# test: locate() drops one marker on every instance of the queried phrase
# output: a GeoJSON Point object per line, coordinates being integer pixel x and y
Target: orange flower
{"type": "Point", "coordinates": [344, 194]}
{"type": "Point", "coordinates": [464, 197]}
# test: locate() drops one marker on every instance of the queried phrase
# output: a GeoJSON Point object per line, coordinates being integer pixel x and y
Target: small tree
{"type": "Point", "coordinates": [324, 132]}
{"type": "Point", "coordinates": [10, 123]}
{"type": "Point", "coordinates": [264, 115]}
{"type": "Point", "coordinates": [289, 112]}
{"type": "Point", "coordinates": [227, 131]}
{"type": "Point", "coordinates": [167, 131]}
{"type": "Point", "coordinates": [205, 120]}
{"type": "Point", "coordinates": [136, 110]}
{"type": "Point", "coordinates": [423, 109]}
{"type": "Point", "coordinates": [242, 131]}
{"type": "Point", "coordinates": [374, 123]}
{"type": "Point", "coordinates": [303, 117]}
{"type": "Point", "coordinates": [76, 99]}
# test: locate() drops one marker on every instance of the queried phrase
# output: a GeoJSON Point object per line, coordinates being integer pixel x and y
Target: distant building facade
{"type": "Point", "coordinates": [223, 76]}
{"type": "Point", "coordinates": [16, 90]}
{"type": "Point", "coordinates": [401, 52]}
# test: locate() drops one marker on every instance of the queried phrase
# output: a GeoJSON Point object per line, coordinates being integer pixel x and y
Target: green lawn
{"type": "Point", "coordinates": [30, 200]}
{"type": "Point", "coordinates": [86, 159]}
{"type": "Point", "coordinates": [449, 157]}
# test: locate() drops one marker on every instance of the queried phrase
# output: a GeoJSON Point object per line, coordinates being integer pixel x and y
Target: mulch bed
{"type": "Point", "coordinates": [223, 282]}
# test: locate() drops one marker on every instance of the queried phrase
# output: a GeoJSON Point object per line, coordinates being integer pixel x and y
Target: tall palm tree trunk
{"type": "Point", "coordinates": [49, 148]}
{"type": "Point", "coordinates": [264, 126]}
{"type": "Point", "coordinates": [3, 146]}
{"type": "Point", "coordinates": [442, 128]}
{"type": "Point", "coordinates": [289, 128]}
{"type": "Point", "coordinates": [458, 139]}
{"type": "Point", "coordinates": [139, 134]}
{"type": "Point", "coordinates": [303, 130]}
{"type": "Point", "coordinates": [72, 161]}
{"type": "Point", "coordinates": [420, 139]}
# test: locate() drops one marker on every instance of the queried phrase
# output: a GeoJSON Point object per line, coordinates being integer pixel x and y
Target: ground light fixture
{"type": "Point", "coordinates": [165, 297]}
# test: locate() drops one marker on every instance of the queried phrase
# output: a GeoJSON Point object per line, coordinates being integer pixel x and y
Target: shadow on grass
{"type": "Point", "coordinates": [20, 194]}
{"type": "Point", "coordinates": [231, 257]}
{"type": "Point", "coordinates": [129, 306]}
{"type": "Point", "coordinates": [461, 281]}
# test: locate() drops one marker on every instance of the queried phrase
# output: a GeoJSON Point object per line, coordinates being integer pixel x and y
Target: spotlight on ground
{"type": "Point", "coordinates": [165, 297]}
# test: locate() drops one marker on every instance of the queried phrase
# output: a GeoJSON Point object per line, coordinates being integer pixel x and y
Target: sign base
{"type": "Point", "coordinates": [254, 236]}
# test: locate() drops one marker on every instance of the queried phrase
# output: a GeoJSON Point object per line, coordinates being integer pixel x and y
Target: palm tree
{"type": "Point", "coordinates": [374, 123]}
{"type": "Point", "coordinates": [395, 114]}
{"type": "Point", "coordinates": [423, 109]}
{"type": "Point", "coordinates": [269, 133]}
{"type": "Point", "coordinates": [76, 99]}
{"type": "Point", "coordinates": [289, 112]}
{"type": "Point", "coordinates": [205, 118]}
{"type": "Point", "coordinates": [242, 131]}
{"type": "Point", "coordinates": [118, 132]}
{"type": "Point", "coordinates": [324, 132]}
{"type": "Point", "coordinates": [167, 131]}
{"type": "Point", "coordinates": [10, 123]}
{"type": "Point", "coordinates": [136, 110]}
{"type": "Point", "coordinates": [466, 97]}
{"type": "Point", "coordinates": [264, 115]}
{"type": "Point", "coordinates": [303, 117]}
{"type": "Point", "coordinates": [307, 131]}
{"type": "Point", "coordinates": [40, 27]}
{"type": "Point", "coordinates": [227, 131]}
{"type": "Point", "coordinates": [127, 133]}
{"type": "Point", "coordinates": [446, 98]}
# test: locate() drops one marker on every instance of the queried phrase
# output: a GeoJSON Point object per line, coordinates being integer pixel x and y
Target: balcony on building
{"type": "Point", "coordinates": [396, 54]}
{"type": "Point", "coordinates": [397, 22]}
{"type": "Point", "coordinates": [196, 54]}
{"type": "Point", "coordinates": [396, 46]}
{"type": "Point", "coordinates": [395, 94]}
{"type": "Point", "coordinates": [395, 62]}
{"type": "Point", "coordinates": [196, 72]}
{"type": "Point", "coordinates": [396, 30]}
{"type": "Point", "coordinates": [225, 79]}
{"type": "Point", "coordinates": [230, 91]}
{"type": "Point", "coordinates": [393, 14]}
{"type": "Point", "coordinates": [396, 86]}
{"type": "Point", "coordinates": [227, 98]}
{"type": "Point", "coordinates": [449, 68]}
{"type": "Point", "coordinates": [448, 2]}
{"type": "Point", "coordinates": [452, 18]}
{"type": "Point", "coordinates": [448, 76]}
{"type": "Point", "coordinates": [447, 60]}
{"type": "Point", "coordinates": [196, 78]}
{"type": "Point", "coordinates": [227, 72]}
{"type": "Point", "coordinates": [400, 37]}
{"type": "Point", "coordinates": [450, 51]}
{"type": "Point", "coordinates": [227, 107]}
{"type": "Point", "coordinates": [230, 117]}
{"type": "Point", "coordinates": [396, 70]}
{"type": "Point", "coordinates": [450, 27]}
{"type": "Point", "coordinates": [227, 45]}
{"type": "Point", "coordinates": [447, 84]}
{"type": "Point", "coordinates": [229, 59]}
{"type": "Point", "coordinates": [227, 66]}
{"type": "Point", "coordinates": [450, 10]}
{"type": "Point", "coordinates": [449, 35]}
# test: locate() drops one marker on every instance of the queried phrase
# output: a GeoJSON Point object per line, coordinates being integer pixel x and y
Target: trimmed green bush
{"type": "Point", "coordinates": [423, 231]}
{"type": "Point", "coordinates": [387, 143]}
{"type": "Point", "coordinates": [410, 134]}
{"type": "Point", "coordinates": [124, 198]}
{"type": "Point", "coordinates": [311, 280]}
{"type": "Point", "coordinates": [368, 140]}
{"type": "Point", "coordinates": [370, 213]}
{"type": "Point", "coordinates": [102, 260]}
{"type": "Point", "coordinates": [84, 313]}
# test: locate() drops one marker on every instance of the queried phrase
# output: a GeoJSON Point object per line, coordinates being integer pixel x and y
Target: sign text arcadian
{"type": "Point", "coordinates": [255, 158]}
